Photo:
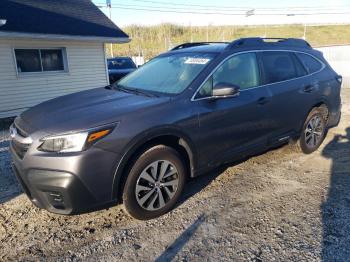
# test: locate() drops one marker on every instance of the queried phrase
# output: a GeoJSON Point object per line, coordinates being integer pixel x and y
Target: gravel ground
{"type": "Point", "coordinates": [280, 205]}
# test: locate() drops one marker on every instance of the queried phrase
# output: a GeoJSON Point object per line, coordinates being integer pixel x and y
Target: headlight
{"type": "Point", "coordinates": [75, 142]}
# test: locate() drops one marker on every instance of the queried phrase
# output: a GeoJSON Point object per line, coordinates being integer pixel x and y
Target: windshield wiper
{"type": "Point", "coordinates": [141, 92]}
{"type": "Point", "coordinates": [134, 91]}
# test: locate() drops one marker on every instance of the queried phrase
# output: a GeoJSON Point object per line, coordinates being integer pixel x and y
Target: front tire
{"type": "Point", "coordinates": [155, 183]}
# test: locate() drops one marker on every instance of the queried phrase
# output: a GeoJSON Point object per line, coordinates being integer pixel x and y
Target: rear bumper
{"type": "Point", "coordinates": [334, 117]}
{"type": "Point", "coordinates": [67, 184]}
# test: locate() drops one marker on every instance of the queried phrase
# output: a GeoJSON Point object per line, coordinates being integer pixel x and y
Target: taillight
{"type": "Point", "coordinates": [339, 79]}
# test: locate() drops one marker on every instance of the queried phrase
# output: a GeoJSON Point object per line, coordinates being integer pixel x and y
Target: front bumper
{"type": "Point", "coordinates": [55, 191]}
{"type": "Point", "coordinates": [69, 184]}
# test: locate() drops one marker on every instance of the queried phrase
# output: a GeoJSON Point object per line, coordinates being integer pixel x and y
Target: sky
{"type": "Point", "coordinates": [227, 12]}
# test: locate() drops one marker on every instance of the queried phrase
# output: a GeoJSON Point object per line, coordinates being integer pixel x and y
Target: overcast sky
{"type": "Point", "coordinates": [230, 11]}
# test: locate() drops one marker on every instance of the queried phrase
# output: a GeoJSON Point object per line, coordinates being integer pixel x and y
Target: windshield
{"type": "Point", "coordinates": [120, 63]}
{"type": "Point", "coordinates": [167, 74]}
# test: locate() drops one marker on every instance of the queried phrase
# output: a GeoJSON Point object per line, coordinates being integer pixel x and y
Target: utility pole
{"type": "Point", "coordinates": [207, 32]}
{"type": "Point", "coordinates": [250, 12]}
{"type": "Point", "coordinates": [109, 6]}
{"type": "Point", "coordinates": [304, 36]}
{"type": "Point", "coordinates": [191, 32]}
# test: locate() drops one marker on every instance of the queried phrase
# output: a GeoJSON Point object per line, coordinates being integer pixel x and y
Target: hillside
{"type": "Point", "coordinates": [152, 40]}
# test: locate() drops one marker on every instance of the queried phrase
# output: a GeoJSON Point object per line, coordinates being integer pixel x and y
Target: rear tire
{"type": "Point", "coordinates": [312, 133]}
{"type": "Point", "coordinates": [155, 183]}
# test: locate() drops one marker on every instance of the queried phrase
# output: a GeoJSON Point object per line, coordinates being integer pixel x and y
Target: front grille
{"type": "Point", "coordinates": [19, 148]}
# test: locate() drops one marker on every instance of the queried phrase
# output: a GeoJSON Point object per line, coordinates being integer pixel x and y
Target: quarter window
{"type": "Point", "coordinates": [279, 66]}
{"type": "Point", "coordinates": [310, 63]}
{"type": "Point", "coordinates": [240, 70]}
{"type": "Point", "coordinates": [40, 60]}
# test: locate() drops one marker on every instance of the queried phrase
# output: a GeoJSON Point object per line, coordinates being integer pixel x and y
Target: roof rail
{"type": "Point", "coordinates": [258, 41]}
{"type": "Point", "coordinates": [187, 45]}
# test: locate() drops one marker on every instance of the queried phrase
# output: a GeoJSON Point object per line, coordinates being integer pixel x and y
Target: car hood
{"type": "Point", "coordinates": [85, 110]}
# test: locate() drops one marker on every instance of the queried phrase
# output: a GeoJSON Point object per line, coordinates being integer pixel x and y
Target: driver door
{"type": "Point", "coordinates": [233, 124]}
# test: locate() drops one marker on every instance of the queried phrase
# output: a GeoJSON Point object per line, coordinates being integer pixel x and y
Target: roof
{"type": "Point", "coordinates": [57, 17]}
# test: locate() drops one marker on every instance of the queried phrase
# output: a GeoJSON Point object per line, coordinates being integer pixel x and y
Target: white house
{"type": "Point", "coordinates": [50, 48]}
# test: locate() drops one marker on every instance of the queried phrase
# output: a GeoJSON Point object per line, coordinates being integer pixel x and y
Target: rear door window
{"type": "Point", "coordinates": [311, 64]}
{"type": "Point", "coordinates": [279, 66]}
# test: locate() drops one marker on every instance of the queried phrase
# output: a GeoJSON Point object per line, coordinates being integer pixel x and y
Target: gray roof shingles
{"type": "Point", "coordinates": [59, 17]}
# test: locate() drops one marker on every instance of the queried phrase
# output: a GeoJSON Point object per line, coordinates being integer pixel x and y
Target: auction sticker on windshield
{"type": "Point", "coordinates": [197, 61]}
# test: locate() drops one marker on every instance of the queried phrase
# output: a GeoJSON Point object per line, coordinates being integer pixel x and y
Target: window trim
{"type": "Point", "coordinates": [64, 57]}
{"type": "Point", "coordinates": [193, 98]}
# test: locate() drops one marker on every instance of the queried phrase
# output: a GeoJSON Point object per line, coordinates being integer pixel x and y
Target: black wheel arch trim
{"type": "Point", "coordinates": [142, 139]}
{"type": "Point", "coordinates": [317, 103]}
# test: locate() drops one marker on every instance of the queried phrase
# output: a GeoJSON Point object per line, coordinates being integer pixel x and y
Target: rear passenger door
{"type": "Point", "coordinates": [283, 73]}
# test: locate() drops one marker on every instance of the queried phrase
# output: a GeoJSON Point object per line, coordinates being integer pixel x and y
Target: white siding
{"type": "Point", "coordinates": [86, 70]}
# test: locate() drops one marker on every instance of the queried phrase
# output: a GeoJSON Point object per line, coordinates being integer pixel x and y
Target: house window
{"type": "Point", "coordinates": [40, 60]}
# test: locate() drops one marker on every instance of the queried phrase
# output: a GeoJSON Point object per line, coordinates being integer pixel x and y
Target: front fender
{"type": "Point", "coordinates": [145, 138]}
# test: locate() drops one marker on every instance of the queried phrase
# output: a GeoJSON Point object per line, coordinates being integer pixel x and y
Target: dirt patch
{"type": "Point", "coordinates": [277, 206]}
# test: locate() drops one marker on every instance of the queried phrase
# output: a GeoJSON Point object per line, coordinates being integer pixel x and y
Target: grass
{"type": "Point", "coordinates": [150, 41]}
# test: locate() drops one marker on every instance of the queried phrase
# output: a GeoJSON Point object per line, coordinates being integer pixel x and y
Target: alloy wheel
{"type": "Point", "coordinates": [157, 185]}
{"type": "Point", "coordinates": [314, 131]}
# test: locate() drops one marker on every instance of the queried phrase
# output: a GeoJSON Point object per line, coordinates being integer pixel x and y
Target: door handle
{"type": "Point", "coordinates": [263, 100]}
{"type": "Point", "coordinates": [309, 88]}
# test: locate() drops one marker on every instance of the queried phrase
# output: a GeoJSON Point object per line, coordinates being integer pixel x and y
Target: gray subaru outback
{"type": "Point", "coordinates": [180, 115]}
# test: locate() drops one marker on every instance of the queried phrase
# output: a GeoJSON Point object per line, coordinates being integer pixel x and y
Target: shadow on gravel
{"type": "Point", "coordinates": [336, 208]}
{"type": "Point", "coordinates": [195, 185]}
{"type": "Point", "coordinates": [177, 245]}
{"type": "Point", "coordinates": [9, 187]}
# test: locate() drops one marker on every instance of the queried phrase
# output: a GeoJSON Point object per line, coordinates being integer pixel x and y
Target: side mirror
{"type": "Point", "coordinates": [224, 90]}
